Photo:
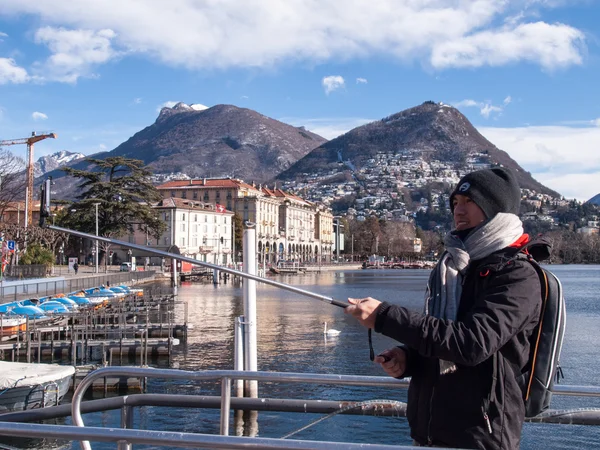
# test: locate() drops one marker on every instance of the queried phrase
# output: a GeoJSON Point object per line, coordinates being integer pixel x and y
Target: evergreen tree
{"type": "Point", "coordinates": [122, 188]}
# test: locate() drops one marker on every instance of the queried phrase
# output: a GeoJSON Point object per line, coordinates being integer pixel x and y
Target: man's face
{"type": "Point", "coordinates": [466, 213]}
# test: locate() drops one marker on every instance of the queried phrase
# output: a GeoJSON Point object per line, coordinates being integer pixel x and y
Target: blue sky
{"type": "Point", "coordinates": [525, 72]}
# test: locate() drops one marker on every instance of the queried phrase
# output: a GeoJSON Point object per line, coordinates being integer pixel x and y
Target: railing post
{"type": "Point", "coordinates": [225, 405]}
{"type": "Point", "coordinates": [238, 357]}
{"type": "Point", "coordinates": [127, 423]}
{"type": "Point", "coordinates": [250, 344]}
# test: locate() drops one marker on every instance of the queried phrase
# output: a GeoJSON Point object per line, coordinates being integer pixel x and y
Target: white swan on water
{"type": "Point", "coordinates": [331, 331]}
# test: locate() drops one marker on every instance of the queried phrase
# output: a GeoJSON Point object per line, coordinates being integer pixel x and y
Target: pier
{"type": "Point", "coordinates": [130, 330]}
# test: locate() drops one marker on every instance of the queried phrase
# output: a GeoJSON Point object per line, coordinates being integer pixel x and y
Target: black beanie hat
{"type": "Point", "coordinates": [493, 190]}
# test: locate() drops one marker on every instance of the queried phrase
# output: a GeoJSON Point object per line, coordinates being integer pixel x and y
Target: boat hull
{"type": "Point", "coordinates": [31, 397]}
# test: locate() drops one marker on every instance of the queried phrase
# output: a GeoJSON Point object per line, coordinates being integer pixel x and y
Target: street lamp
{"type": "Point", "coordinates": [96, 254]}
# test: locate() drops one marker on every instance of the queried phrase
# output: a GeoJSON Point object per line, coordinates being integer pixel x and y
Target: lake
{"type": "Point", "coordinates": [290, 339]}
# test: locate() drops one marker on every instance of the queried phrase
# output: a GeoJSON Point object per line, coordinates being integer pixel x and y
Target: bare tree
{"type": "Point", "coordinates": [12, 179]}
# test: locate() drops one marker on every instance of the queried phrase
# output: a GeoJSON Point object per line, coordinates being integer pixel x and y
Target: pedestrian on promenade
{"type": "Point", "coordinates": [467, 352]}
{"type": "Point", "coordinates": [75, 267]}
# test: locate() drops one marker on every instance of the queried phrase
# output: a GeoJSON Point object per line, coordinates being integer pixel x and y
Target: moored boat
{"type": "Point", "coordinates": [28, 386]}
{"type": "Point", "coordinates": [11, 323]}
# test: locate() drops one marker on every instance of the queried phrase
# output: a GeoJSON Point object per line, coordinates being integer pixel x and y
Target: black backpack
{"type": "Point", "coordinates": [546, 340]}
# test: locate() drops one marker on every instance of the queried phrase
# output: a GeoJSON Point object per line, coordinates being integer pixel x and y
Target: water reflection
{"type": "Point", "coordinates": [291, 339]}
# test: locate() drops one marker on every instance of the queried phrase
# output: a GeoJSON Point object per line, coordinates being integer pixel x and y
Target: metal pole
{"type": "Point", "coordinates": [250, 351]}
{"type": "Point", "coordinates": [245, 275]}
{"type": "Point", "coordinates": [337, 241]}
{"type": "Point", "coordinates": [26, 206]}
{"type": "Point", "coordinates": [225, 405]}
{"type": "Point", "coordinates": [233, 241]}
{"type": "Point", "coordinates": [96, 259]}
{"type": "Point", "coordinates": [238, 358]}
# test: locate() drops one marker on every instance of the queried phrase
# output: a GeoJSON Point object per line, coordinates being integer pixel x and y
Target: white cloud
{"type": "Point", "coordinates": [137, 100]}
{"type": "Point", "coordinates": [2, 35]}
{"type": "Point", "coordinates": [259, 33]}
{"type": "Point", "coordinates": [596, 122]}
{"type": "Point", "coordinates": [39, 116]}
{"type": "Point", "coordinates": [507, 100]}
{"type": "Point", "coordinates": [10, 72]}
{"type": "Point", "coordinates": [332, 83]}
{"type": "Point", "coordinates": [563, 158]}
{"type": "Point", "coordinates": [485, 108]}
{"type": "Point", "coordinates": [75, 53]}
{"type": "Point", "coordinates": [361, 81]}
{"type": "Point", "coordinates": [167, 104]}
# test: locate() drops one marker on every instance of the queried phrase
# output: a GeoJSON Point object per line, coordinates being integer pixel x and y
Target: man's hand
{"type": "Point", "coordinates": [393, 361]}
{"type": "Point", "coordinates": [364, 310]}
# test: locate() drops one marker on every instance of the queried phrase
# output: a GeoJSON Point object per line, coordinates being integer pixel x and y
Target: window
{"type": "Point", "coordinates": [205, 228]}
{"type": "Point", "coordinates": [183, 227]}
{"type": "Point", "coordinates": [204, 240]}
{"type": "Point", "coordinates": [195, 242]}
{"type": "Point", "coordinates": [183, 194]}
{"type": "Point", "coordinates": [172, 193]}
{"type": "Point", "coordinates": [166, 241]}
{"type": "Point", "coordinates": [195, 217]}
{"type": "Point", "coordinates": [183, 242]}
{"type": "Point", "coordinates": [205, 218]}
{"type": "Point", "coordinates": [206, 196]}
{"type": "Point", "coordinates": [183, 217]}
{"type": "Point", "coordinates": [195, 195]}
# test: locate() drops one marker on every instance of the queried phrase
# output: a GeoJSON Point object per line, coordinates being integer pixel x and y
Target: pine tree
{"type": "Point", "coordinates": [122, 188]}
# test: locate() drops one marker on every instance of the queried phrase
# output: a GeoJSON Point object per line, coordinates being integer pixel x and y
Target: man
{"type": "Point", "coordinates": [466, 353]}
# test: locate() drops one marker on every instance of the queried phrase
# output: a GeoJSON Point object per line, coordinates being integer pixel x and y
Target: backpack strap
{"type": "Point", "coordinates": [538, 248]}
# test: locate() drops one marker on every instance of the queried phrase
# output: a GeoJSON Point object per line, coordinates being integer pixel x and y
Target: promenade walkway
{"type": "Point", "coordinates": [63, 281]}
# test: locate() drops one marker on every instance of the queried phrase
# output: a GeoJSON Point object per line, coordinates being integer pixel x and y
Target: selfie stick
{"type": "Point", "coordinates": [45, 212]}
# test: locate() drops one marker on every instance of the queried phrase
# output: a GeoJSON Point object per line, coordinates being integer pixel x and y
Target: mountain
{"type": "Point", "coordinates": [52, 162]}
{"type": "Point", "coordinates": [217, 142]}
{"type": "Point", "coordinates": [594, 200]}
{"type": "Point", "coordinates": [436, 131]}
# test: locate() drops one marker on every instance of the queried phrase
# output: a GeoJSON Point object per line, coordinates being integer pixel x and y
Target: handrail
{"type": "Point", "coordinates": [176, 439]}
{"type": "Point", "coordinates": [285, 377]}
{"type": "Point", "coordinates": [225, 376]}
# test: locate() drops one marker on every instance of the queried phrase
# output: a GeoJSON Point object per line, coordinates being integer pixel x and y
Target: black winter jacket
{"type": "Point", "coordinates": [489, 343]}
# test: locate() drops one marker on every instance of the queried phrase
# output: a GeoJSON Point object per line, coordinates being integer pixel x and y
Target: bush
{"type": "Point", "coordinates": [36, 254]}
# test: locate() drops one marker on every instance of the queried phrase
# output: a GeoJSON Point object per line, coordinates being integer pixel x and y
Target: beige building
{"type": "Point", "coordinates": [287, 226]}
{"type": "Point", "coordinates": [195, 229]}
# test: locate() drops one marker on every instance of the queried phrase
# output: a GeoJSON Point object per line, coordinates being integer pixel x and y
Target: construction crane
{"type": "Point", "coordinates": [29, 194]}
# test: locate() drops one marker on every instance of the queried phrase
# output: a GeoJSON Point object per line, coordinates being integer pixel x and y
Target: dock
{"type": "Point", "coordinates": [131, 330]}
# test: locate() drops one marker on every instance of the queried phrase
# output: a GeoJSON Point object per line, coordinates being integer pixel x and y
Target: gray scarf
{"type": "Point", "coordinates": [445, 287]}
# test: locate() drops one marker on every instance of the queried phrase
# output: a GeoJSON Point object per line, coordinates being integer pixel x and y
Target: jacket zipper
{"type": "Point", "coordinates": [429, 439]}
{"type": "Point", "coordinates": [487, 420]}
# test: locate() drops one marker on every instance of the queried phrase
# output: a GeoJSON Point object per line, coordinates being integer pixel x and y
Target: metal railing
{"type": "Point", "coordinates": [126, 436]}
{"type": "Point", "coordinates": [43, 288]}
{"type": "Point", "coordinates": [176, 439]}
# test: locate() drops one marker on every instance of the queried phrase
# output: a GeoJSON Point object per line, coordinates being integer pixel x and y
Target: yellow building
{"type": "Point", "coordinates": [287, 226]}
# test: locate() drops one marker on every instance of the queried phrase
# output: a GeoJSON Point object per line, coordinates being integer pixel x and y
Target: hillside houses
{"type": "Point", "coordinates": [387, 186]}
